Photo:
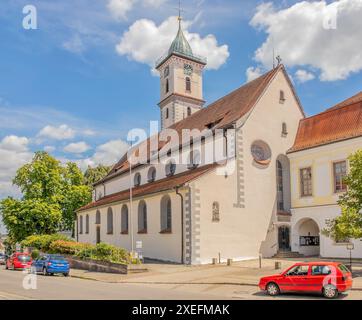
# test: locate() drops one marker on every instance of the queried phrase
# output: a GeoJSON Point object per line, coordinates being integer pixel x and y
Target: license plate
{"type": "Point", "coordinates": [60, 265]}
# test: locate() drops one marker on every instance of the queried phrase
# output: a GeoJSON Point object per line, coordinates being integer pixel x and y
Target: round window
{"type": "Point", "coordinates": [261, 152]}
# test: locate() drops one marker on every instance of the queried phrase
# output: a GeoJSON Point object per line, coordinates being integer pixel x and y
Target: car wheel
{"type": "Point", "coordinates": [330, 292]}
{"type": "Point", "coordinates": [66, 274]}
{"type": "Point", "coordinates": [272, 289]}
{"type": "Point", "coordinates": [45, 272]}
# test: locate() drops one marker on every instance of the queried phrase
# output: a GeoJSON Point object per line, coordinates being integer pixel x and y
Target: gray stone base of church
{"type": "Point", "coordinates": [97, 266]}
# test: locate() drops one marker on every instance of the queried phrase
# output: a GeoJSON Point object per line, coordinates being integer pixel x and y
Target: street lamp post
{"type": "Point", "coordinates": [350, 247]}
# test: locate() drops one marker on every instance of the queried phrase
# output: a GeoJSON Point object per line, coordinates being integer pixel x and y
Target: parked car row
{"type": "Point", "coordinates": [48, 264]}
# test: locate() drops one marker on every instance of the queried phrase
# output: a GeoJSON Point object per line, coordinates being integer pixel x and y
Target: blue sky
{"type": "Point", "coordinates": [83, 78]}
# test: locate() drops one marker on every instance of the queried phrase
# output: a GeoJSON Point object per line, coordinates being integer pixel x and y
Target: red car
{"type": "Point", "coordinates": [328, 278]}
{"type": "Point", "coordinates": [18, 260]}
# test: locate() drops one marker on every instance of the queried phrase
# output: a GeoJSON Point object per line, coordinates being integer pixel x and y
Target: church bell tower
{"type": "Point", "coordinates": [181, 81]}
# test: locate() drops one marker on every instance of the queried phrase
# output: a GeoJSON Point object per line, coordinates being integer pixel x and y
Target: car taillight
{"type": "Point", "coordinates": [49, 263]}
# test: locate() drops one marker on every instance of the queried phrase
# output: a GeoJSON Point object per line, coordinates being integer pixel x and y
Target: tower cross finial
{"type": "Point", "coordinates": [179, 9]}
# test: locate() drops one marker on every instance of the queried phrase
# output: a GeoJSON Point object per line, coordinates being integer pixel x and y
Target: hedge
{"type": "Point", "coordinates": [58, 244]}
{"type": "Point", "coordinates": [43, 242]}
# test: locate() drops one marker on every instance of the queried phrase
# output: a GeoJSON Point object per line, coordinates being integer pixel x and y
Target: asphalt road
{"type": "Point", "coordinates": [61, 288]}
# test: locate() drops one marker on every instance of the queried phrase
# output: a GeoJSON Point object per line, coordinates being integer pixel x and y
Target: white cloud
{"type": "Point", "coordinates": [49, 149]}
{"type": "Point", "coordinates": [107, 154]}
{"type": "Point", "coordinates": [120, 8]}
{"type": "Point", "coordinates": [252, 73]}
{"type": "Point", "coordinates": [63, 132]}
{"type": "Point", "coordinates": [145, 42]}
{"type": "Point", "coordinates": [14, 143]}
{"type": "Point", "coordinates": [300, 36]}
{"type": "Point", "coordinates": [13, 154]}
{"type": "Point", "coordinates": [304, 76]}
{"type": "Point", "coordinates": [77, 147]}
{"type": "Point", "coordinates": [74, 44]}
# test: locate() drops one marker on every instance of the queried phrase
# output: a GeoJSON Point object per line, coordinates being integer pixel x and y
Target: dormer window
{"type": "Point", "coordinates": [170, 168]}
{"type": "Point", "coordinates": [152, 174]}
{"type": "Point", "coordinates": [194, 159]}
{"type": "Point", "coordinates": [137, 180]}
{"type": "Point", "coordinates": [281, 96]}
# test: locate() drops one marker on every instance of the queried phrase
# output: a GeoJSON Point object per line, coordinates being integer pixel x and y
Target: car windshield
{"type": "Point", "coordinates": [23, 258]}
{"type": "Point", "coordinates": [343, 268]}
{"type": "Point", "coordinates": [58, 258]}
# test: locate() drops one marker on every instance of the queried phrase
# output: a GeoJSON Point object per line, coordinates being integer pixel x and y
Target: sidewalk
{"type": "Point", "coordinates": [245, 273]}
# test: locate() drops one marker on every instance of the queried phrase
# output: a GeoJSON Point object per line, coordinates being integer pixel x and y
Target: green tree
{"type": "Point", "coordinates": [349, 224]}
{"type": "Point", "coordinates": [49, 186]}
{"type": "Point", "coordinates": [32, 216]}
{"type": "Point", "coordinates": [93, 175]}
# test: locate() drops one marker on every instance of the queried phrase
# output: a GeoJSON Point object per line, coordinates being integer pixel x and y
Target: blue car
{"type": "Point", "coordinates": [51, 264]}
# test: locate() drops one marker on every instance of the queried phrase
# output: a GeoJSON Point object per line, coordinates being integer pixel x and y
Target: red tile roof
{"type": "Point", "coordinates": [341, 122]}
{"type": "Point", "coordinates": [355, 98]}
{"type": "Point", "coordinates": [150, 188]}
{"type": "Point", "coordinates": [221, 113]}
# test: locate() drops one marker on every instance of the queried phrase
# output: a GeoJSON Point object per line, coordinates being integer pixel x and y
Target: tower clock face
{"type": "Point", "coordinates": [166, 72]}
{"type": "Point", "coordinates": [188, 69]}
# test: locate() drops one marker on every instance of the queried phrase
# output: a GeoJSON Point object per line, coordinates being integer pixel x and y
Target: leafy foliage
{"type": "Point", "coordinates": [353, 197]}
{"type": "Point", "coordinates": [26, 217]}
{"type": "Point", "coordinates": [42, 242]}
{"type": "Point", "coordinates": [93, 175]}
{"type": "Point", "coordinates": [101, 251]}
{"type": "Point", "coordinates": [349, 224]}
{"type": "Point", "coordinates": [51, 194]}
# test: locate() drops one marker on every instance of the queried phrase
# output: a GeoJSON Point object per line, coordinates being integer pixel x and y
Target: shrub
{"type": "Point", "coordinates": [43, 242]}
{"type": "Point", "coordinates": [35, 254]}
{"type": "Point", "coordinates": [68, 247]}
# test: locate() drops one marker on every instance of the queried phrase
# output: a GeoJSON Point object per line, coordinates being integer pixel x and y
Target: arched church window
{"type": "Point", "coordinates": [167, 113]}
{"type": "Point", "coordinates": [166, 215]}
{"type": "Point", "coordinates": [215, 212]}
{"type": "Point", "coordinates": [188, 84]}
{"type": "Point", "coordinates": [87, 224]}
{"type": "Point", "coordinates": [137, 179]}
{"type": "Point", "coordinates": [152, 174]}
{"type": "Point", "coordinates": [142, 217]}
{"type": "Point", "coordinates": [124, 220]}
{"type": "Point", "coordinates": [189, 112]}
{"type": "Point", "coordinates": [80, 224]}
{"type": "Point", "coordinates": [170, 168]}
{"type": "Point", "coordinates": [281, 96]}
{"type": "Point", "coordinates": [109, 221]}
{"type": "Point", "coordinates": [284, 129]}
{"type": "Point", "coordinates": [280, 187]}
{"type": "Point", "coordinates": [98, 217]}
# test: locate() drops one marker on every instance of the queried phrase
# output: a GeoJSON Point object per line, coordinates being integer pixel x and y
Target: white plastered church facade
{"type": "Point", "coordinates": [196, 210]}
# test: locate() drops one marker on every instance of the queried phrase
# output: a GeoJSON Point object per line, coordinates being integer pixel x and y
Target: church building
{"type": "Point", "coordinates": [245, 203]}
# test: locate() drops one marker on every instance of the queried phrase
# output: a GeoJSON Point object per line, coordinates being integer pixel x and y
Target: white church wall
{"type": "Point", "coordinates": [165, 247]}
{"type": "Point", "coordinates": [242, 232]}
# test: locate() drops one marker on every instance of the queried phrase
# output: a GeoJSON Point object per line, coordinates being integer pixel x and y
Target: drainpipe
{"type": "Point", "coordinates": [182, 224]}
